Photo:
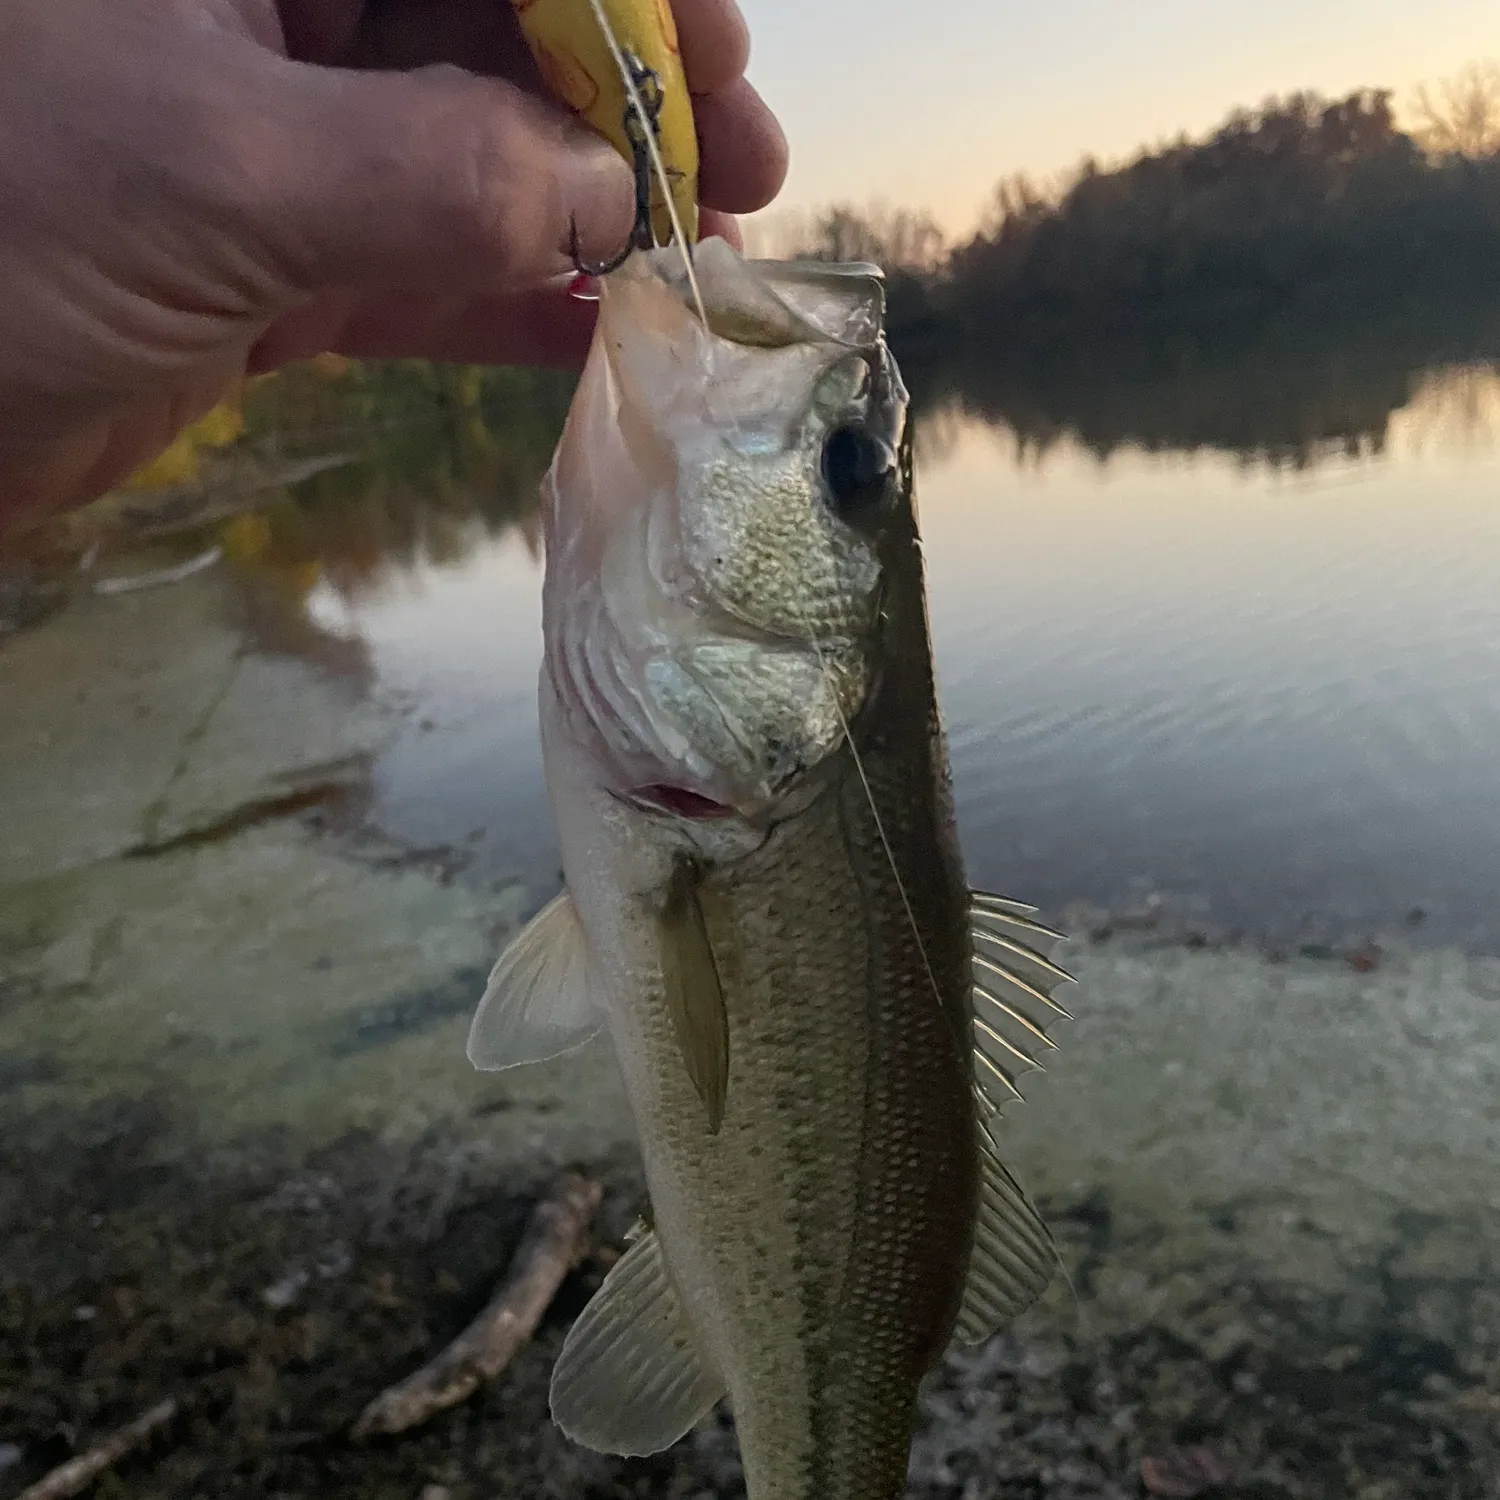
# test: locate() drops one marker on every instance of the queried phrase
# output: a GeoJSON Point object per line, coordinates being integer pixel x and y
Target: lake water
{"type": "Point", "coordinates": [1266, 694]}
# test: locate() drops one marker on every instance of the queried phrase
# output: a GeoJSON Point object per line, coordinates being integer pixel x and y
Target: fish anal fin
{"type": "Point", "coordinates": [1013, 1255]}
{"type": "Point", "coordinates": [694, 991]}
{"type": "Point", "coordinates": [537, 1003]}
{"type": "Point", "coordinates": [631, 1378]}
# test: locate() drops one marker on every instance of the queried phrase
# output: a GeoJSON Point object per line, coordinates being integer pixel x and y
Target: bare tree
{"type": "Point", "coordinates": [1016, 199]}
{"type": "Point", "coordinates": [1462, 118]}
{"type": "Point", "coordinates": [893, 238]}
{"type": "Point", "coordinates": [778, 233]}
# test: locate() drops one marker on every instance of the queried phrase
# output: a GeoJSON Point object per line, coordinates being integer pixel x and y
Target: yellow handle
{"type": "Point", "coordinates": [575, 59]}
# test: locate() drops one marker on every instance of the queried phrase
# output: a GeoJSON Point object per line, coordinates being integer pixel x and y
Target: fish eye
{"type": "Point", "coordinates": [858, 467]}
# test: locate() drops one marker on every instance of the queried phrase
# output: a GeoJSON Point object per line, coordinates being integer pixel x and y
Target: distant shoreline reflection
{"type": "Point", "coordinates": [1213, 625]}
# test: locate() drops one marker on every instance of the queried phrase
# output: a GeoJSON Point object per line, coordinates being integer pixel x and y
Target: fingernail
{"type": "Point", "coordinates": [599, 192]}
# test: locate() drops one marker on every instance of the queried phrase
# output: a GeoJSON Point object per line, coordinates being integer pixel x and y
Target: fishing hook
{"type": "Point", "coordinates": [642, 237]}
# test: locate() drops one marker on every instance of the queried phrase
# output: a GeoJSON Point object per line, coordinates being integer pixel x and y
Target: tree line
{"type": "Point", "coordinates": [1304, 199]}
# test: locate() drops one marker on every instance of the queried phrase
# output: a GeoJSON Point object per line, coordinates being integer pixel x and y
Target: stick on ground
{"type": "Point", "coordinates": [554, 1242]}
{"type": "Point", "coordinates": [78, 1473]}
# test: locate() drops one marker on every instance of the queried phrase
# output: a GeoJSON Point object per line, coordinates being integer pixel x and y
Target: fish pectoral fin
{"type": "Point", "coordinates": [1014, 981]}
{"type": "Point", "coordinates": [537, 1003]}
{"type": "Point", "coordinates": [695, 992]}
{"type": "Point", "coordinates": [1013, 1255]}
{"type": "Point", "coordinates": [631, 1378]}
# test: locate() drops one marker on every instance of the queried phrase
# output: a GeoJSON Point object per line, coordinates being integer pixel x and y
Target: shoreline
{"type": "Point", "coordinates": [1319, 1334]}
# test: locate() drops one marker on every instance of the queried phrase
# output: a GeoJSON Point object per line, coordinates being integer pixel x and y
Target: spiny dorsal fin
{"type": "Point", "coordinates": [1014, 981]}
{"type": "Point", "coordinates": [1013, 1255]}
{"type": "Point", "coordinates": [537, 1002]}
{"type": "Point", "coordinates": [631, 1378]}
{"type": "Point", "coordinates": [1012, 918]}
{"type": "Point", "coordinates": [695, 994]}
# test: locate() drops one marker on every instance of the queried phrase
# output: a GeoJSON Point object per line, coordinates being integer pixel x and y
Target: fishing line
{"type": "Point", "coordinates": [864, 781]}
{"type": "Point", "coordinates": [890, 854]}
{"type": "Point", "coordinates": [659, 167]}
{"type": "Point", "coordinates": [653, 150]}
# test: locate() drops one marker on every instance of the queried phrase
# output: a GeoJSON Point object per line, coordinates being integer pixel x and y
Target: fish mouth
{"type": "Point", "coordinates": [762, 808]}
{"type": "Point", "coordinates": [679, 801]}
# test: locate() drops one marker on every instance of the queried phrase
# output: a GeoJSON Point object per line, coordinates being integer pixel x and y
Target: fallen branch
{"type": "Point", "coordinates": [78, 1473]}
{"type": "Point", "coordinates": [128, 585]}
{"type": "Point", "coordinates": [554, 1242]}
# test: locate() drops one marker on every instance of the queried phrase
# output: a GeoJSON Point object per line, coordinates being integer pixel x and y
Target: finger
{"type": "Point", "coordinates": [316, 327]}
{"type": "Point", "coordinates": [744, 153]}
{"type": "Point", "coordinates": [436, 178]}
{"type": "Point", "coordinates": [481, 36]}
{"type": "Point", "coordinates": [485, 37]}
{"type": "Point", "coordinates": [714, 225]}
{"type": "Point", "coordinates": [714, 43]}
{"type": "Point", "coordinates": [544, 327]}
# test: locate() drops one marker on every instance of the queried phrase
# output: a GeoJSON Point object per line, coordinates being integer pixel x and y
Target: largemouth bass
{"type": "Point", "coordinates": [765, 905]}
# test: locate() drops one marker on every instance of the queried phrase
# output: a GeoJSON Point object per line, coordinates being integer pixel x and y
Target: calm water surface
{"type": "Point", "coordinates": [1268, 693]}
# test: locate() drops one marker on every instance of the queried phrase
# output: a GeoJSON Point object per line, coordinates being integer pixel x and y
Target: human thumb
{"type": "Point", "coordinates": [442, 180]}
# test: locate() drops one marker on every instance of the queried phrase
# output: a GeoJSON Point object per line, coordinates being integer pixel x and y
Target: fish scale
{"type": "Point", "coordinates": [843, 1175]}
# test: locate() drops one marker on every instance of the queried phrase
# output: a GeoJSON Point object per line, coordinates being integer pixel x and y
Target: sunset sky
{"type": "Point", "coordinates": [880, 102]}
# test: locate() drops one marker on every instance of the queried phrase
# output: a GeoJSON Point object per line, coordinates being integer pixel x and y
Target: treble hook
{"type": "Point", "coordinates": [642, 236]}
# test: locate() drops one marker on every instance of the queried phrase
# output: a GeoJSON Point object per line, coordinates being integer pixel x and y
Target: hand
{"type": "Point", "coordinates": [191, 190]}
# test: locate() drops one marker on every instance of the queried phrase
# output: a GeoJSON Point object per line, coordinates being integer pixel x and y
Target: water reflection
{"type": "Point", "coordinates": [1215, 626]}
{"type": "Point", "coordinates": [347, 473]}
{"type": "Point", "coordinates": [1265, 695]}
{"type": "Point", "coordinates": [1182, 657]}
{"type": "Point", "coordinates": [1272, 392]}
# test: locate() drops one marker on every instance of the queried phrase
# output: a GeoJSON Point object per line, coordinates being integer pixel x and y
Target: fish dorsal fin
{"type": "Point", "coordinates": [537, 1003]}
{"type": "Point", "coordinates": [694, 991]}
{"type": "Point", "coordinates": [1014, 983]}
{"type": "Point", "coordinates": [631, 1378]}
{"type": "Point", "coordinates": [1013, 1255]}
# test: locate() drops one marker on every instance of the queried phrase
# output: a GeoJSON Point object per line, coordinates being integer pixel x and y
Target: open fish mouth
{"type": "Point", "coordinates": [760, 805]}
{"type": "Point", "coordinates": [679, 801]}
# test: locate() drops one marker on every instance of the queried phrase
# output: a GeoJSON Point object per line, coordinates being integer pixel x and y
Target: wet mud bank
{"type": "Point", "coordinates": [1276, 1290]}
{"type": "Point", "coordinates": [274, 1291]}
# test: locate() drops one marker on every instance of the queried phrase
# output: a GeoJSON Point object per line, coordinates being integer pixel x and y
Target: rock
{"type": "Point", "coordinates": [283, 1293]}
